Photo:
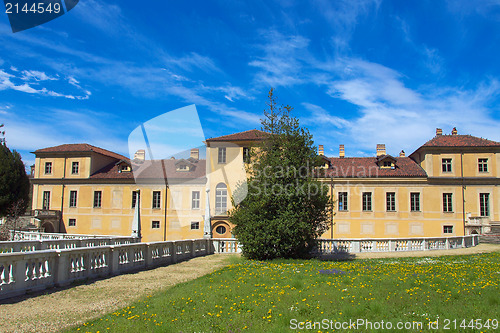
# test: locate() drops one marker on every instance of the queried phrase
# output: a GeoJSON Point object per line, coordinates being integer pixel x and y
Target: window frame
{"type": "Point", "coordinates": [156, 200]}
{"type": "Point", "coordinates": [343, 201]}
{"type": "Point", "coordinates": [195, 225]}
{"type": "Point", "coordinates": [390, 201]}
{"type": "Point", "coordinates": [446, 163]}
{"type": "Point", "coordinates": [447, 229]}
{"type": "Point", "coordinates": [221, 155]}
{"type": "Point", "coordinates": [73, 198]}
{"type": "Point", "coordinates": [155, 224]}
{"type": "Point", "coordinates": [97, 203]}
{"type": "Point", "coordinates": [366, 201]}
{"type": "Point", "coordinates": [246, 154]}
{"type": "Point", "coordinates": [447, 202]}
{"type": "Point", "coordinates": [48, 168]}
{"type": "Point", "coordinates": [220, 199]}
{"type": "Point", "coordinates": [482, 165]}
{"type": "Point", "coordinates": [73, 164]}
{"type": "Point", "coordinates": [46, 200]}
{"type": "Point", "coordinates": [195, 202]}
{"type": "Point", "coordinates": [70, 224]}
{"type": "Point", "coordinates": [134, 195]}
{"type": "Point", "coordinates": [415, 201]}
{"type": "Point", "coordinates": [221, 233]}
{"type": "Point", "coordinates": [484, 205]}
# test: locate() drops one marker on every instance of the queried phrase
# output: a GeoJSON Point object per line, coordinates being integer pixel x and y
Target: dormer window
{"type": "Point", "coordinates": [184, 165]}
{"type": "Point", "coordinates": [386, 162]}
{"type": "Point", "coordinates": [123, 166]}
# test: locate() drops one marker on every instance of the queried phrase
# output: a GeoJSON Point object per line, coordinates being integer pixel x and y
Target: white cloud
{"type": "Point", "coordinates": [36, 76]}
{"type": "Point", "coordinates": [6, 82]}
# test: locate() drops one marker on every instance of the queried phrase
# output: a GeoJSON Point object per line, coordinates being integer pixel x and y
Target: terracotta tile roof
{"type": "Point", "coordinates": [366, 167]}
{"type": "Point", "coordinates": [251, 135]}
{"type": "Point", "coordinates": [152, 170]}
{"type": "Point", "coordinates": [460, 141]}
{"type": "Point", "coordinates": [79, 147]}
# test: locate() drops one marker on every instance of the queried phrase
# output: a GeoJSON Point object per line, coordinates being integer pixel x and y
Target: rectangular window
{"type": "Point", "coordinates": [447, 229]}
{"type": "Point", "coordinates": [46, 200]}
{"type": "Point", "coordinates": [415, 202]}
{"type": "Point", "coordinates": [367, 201]}
{"type": "Point", "coordinates": [482, 164]}
{"type": "Point", "coordinates": [447, 202]}
{"type": "Point", "coordinates": [195, 200]}
{"type": "Point", "coordinates": [484, 204]}
{"type": "Point", "coordinates": [72, 222]}
{"type": "Point", "coordinates": [390, 201]}
{"type": "Point", "coordinates": [48, 168]}
{"type": "Point", "coordinates": [343, 201]}
{"type": "Point", "coordinates": [221, 199]}
{"type": "Point", "coordinates": [195, 225]}
{"type": "Point", "coordinates": [135, 196]}
{"type": "Point", "coordinates": [155, 224]}
{"type": "Point", "coordinates": [156, 199]}
{"type": "Point", "coordinates": [97, 199]}
{"type": "Point", "coordinates": [246, 154]}
{"type": "Point", "coordinates": [72, 198]}
{"type": "Point", "coordinates": [74, 168]}
{"type": "Point", "coordinates": [446, 164]}
{"type": "Point", "coordinates": [222, 155]}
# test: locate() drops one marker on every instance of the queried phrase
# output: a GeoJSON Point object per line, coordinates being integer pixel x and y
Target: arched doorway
{"type": "Point", "coordinates": [221, 229]}
{"type": "Point", "coordinates": [48, 227]}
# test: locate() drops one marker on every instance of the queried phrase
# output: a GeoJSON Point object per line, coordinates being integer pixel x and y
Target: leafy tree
{"type": "Point", "coordinates": [14, 183]}
{"type": "Point", "coordinates": [286, 208]}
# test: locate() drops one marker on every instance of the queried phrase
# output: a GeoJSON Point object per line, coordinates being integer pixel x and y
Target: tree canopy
{"type": "Point", "coordinates": [286, 208]}
{"type": "Point", "coordinates": [14, 183]}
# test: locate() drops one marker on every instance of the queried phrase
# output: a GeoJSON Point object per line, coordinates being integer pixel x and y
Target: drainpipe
{"type": "Point", "coordinates": [463, 188]}
{"type": "Point", "coordinates": [331, 197]}
{"type": "Point", "coordinates": [62, 195]}
{"type": "Point", "coordinates": [166, 200]}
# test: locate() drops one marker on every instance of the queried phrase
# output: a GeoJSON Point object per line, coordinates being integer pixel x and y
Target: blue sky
{"type": "Point", "coordinates": [356, 72]}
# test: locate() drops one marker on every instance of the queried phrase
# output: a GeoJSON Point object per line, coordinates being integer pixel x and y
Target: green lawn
{"type": "Point", "coordinates": [291, 295]}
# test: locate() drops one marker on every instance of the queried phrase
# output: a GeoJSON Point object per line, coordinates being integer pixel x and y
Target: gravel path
{"type": "Point", "coordinates": [60, 308]}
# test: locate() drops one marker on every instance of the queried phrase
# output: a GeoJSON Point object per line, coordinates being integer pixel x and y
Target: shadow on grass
{"type": "Point", "coordinates": [336, 256]}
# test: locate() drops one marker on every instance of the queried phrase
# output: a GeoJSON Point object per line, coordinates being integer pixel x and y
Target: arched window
{"type": "Point", "coordinates": [220, 198]}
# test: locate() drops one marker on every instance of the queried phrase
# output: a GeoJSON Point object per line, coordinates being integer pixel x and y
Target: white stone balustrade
{"type": "Point", "coordinates": [60, 244]}
{"type": "Point", "coordinates": [226, 245]}
{"type": "Point", "coordinates": [32, 235]}
{"type": "Point", "coordinates": [22, 272]}
{"type": "Point", "coordinates": [329, 246]}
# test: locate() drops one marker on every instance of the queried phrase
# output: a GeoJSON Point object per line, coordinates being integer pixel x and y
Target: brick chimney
{"type": "Point", "coordinates": [140, 155]}
{"type": "Point", "coordinates": [381, 149]}
{"type": "Point", "coordinates": [195, 153]}
{"type": "Point", "coordinates": [341, 151]}
{"type": "Point", "coordinates": [402, 153]}
{"type": "Point", "coordinates": [439, 131]}
{"type": "Point", "coordinates": [321, 150]}
{"type": "Point", "coordinates": [454, 131]}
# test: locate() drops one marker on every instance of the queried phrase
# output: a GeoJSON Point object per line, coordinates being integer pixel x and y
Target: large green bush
{"type": "Point", "coordinates": [286, 208]}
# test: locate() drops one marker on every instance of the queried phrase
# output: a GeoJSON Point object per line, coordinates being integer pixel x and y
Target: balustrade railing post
{"type": "Point", "coordinates": [447, 243]}
{"type": "Point", "coordinates": [356, 246]}
{"type": "Point", "coordinates": [392, 245]}
{"type": "Point", "coordinates": [193, 248]}
{"type": "Point", "coordinates": [174, 252]}
{"type": "Point", "coordinates": [148, 255]}
{"type": "Point", "coordinates": [424, 244]}
{"type": "Point", "coordinates": [61, 267]}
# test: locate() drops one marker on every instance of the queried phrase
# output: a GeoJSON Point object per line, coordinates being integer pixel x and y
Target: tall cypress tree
{"type": "Point", "coordinates": [286, 208]}
{"type": "Point", "coordinates": [14, 183]}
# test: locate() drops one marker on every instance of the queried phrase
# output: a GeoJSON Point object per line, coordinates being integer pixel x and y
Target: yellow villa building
{"type": "Point", "coordinates": [447, 187]}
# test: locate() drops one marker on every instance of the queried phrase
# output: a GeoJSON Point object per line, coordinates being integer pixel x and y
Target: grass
{"type": "Point", "coordinates": [279, 295]}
